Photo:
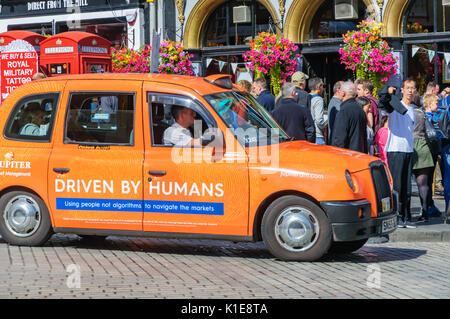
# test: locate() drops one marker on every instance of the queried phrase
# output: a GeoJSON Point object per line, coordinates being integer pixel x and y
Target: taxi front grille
{"type": "Point", "coordinates": [381, 185]}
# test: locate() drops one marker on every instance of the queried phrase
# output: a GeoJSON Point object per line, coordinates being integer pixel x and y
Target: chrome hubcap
{"type": "Point", "coordinates": [22, 216]}
{"type": "Point", "coordinates": [296, 229]}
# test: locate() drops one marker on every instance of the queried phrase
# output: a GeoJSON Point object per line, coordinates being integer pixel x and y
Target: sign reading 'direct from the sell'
{"type": "Point", "coordinates": [19, 62]}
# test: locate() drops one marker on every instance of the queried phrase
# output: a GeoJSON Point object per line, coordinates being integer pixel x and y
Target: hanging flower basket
{"type": "Point", "coordinates": [173, 59]}
{"type": "Point", "coordinates": [368, 55]}
{"type": "Point", "coordinates": [273, 56]}
{"type": "Point", "coordinates": [128, 60]}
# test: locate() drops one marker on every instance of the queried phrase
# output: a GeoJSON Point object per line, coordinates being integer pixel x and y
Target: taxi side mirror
{"type": "Point", "coordinates": [214, 138]}
{"type": "Point", "coordinates": [207, 138]}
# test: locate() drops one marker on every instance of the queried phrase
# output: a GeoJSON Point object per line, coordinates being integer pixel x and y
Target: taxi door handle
{"type": "Point", "coordinates": [61, 170]}
{"type": "Point", "coordinates": [157, 173]}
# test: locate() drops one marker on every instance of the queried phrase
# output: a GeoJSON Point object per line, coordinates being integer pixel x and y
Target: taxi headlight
{"type": "Point", "coordinates": [348, 177]}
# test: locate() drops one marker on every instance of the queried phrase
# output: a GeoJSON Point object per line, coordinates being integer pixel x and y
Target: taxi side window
{"type": "Point", "coordinates": [100, 118]}
{"type": "Point", "coordinates": [32, 118]}
{"type": "Point", "coordinates": [161, 116]}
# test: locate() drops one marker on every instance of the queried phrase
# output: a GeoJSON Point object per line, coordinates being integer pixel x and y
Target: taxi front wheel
{"type": "Point", "coordinates": [294, 228]}
{"type": "Point", "coordinates": [24, 219]}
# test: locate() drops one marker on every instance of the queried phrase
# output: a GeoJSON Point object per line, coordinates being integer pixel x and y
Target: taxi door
{"type": "Point", "coordinates": [95, 169]}
{"type": "Point", "coordinates": [184, 191]}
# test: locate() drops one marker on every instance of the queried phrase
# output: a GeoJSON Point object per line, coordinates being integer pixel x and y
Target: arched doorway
{"type": "Point", "coordinates": [301, 13]}
{"type": "Point", "coordinates": [221, 40]}
{"type": "Point", "coordinates": [319, 30]}
{"type": "Point", "coordinates": [394, 13]}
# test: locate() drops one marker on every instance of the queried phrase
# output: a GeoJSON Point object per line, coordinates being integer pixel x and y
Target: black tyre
{"type": "Point", "coordinates": [346, 247]}
{"type": "Point", "coordinates": [294, 228]}
{"type": "Point", "coordinates": [24, 219]}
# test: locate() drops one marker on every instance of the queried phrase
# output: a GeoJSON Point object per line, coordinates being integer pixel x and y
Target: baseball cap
{"type": "Point", "coordinates": [299, 77]}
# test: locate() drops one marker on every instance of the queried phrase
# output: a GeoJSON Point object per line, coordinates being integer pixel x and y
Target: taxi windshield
{"type": "Point", "coordinates": [250, 122]}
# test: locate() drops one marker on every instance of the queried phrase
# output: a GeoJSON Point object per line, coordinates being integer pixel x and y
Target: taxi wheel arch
{"type": "Point", "coordinates": [257, 221]}
{"type": "Point", "coordinates": [295, 228]}
{"type": "Point", "coordinates": [25, 203]}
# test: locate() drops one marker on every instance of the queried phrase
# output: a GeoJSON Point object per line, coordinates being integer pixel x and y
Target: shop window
{"type": "Point", "coordinates": [40, 28]}
{"type": "Point", "coordinates": [420, 17]}
{"type": "Point", "coordinates": [221, 31]}
{"type": "Point", "coordinates": [110, 29]}
{"type": "Point", "coordinates": [427, 51]}
{"type": "Point", "coordinates": [100, 118]}
{"type": "Point", "coordinates": [325, 25]}
{"type": "Point", "coordinates": [420, 66]}
{"type": "Point", "coordinates": [32, 118]}
{"type": "Point", "coordinates": [427, 66]}
{"type": "Point", "coordinates": [228, 64]}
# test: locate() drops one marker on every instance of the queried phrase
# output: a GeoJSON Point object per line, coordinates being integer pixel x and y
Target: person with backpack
{"type": "Point", "coordinates": [365, 88]}
{"type": "Point", "coordinates": [440, 120]}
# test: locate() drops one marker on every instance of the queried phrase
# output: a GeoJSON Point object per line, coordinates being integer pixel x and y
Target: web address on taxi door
{"type": "Point", "coordinates": [147, 206]}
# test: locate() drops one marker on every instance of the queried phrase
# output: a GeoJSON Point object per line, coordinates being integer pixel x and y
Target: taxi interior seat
{"type": "Point", "coordinates": [159, 123]}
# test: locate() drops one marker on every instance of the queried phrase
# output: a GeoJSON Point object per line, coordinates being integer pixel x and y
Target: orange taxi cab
{"type": "Point", "coordinates": [183, 157]}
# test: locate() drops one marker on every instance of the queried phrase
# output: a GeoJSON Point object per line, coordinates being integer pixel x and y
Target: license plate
{"type": "Point", "coordinates": [389, 224]}
{"type": "Point", "coordinates": [386, 204]}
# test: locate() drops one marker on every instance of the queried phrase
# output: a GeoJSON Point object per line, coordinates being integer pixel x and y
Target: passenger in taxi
{"type": "Point", "coordinates": [109, 104]}
{"type": "Point", "coordinates": [240, 114]}
{"type": "Point", "coordinates": [178, 133]}
{"type": "Point", "coordinates": [34, 117]}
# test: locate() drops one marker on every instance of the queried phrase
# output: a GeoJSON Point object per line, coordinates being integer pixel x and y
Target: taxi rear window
{"type": "Point", "coordinates": [32, 118]}
{"type": "Point", "coordinates": [100, 118]}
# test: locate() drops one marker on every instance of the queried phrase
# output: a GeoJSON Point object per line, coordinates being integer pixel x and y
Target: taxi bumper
{"type": "Point", "coordinates": [351, 220]}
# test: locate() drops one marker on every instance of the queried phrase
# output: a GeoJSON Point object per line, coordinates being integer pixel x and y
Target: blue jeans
{"type": "Point", "coordinates": [320, 140]}
{"type": "Point", "coordinates": [446, 175]}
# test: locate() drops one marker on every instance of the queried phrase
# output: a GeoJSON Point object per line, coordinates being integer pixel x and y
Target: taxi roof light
{"type": "Point", "coordinates": [220, 80]}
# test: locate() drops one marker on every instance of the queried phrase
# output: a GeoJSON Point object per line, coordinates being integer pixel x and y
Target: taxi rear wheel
{"type": "Point", "coordinates": [24, 219]}
{"type": "Point", "coordinates": [294, 228]}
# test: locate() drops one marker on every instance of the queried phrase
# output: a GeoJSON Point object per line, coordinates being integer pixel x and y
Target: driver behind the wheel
{"type": "Point", "coordinates": [178, 133]}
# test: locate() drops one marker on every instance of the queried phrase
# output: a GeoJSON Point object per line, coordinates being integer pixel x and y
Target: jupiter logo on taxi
{"type": "Point", "coordinates": [9, 162]}
{"type": "Point", "coordinates": [9, 156]}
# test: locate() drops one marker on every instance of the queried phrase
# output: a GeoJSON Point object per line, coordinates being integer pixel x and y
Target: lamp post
{"type": "Point", "coordinates": [282, 11]}
{"type": "Point", "coordinates": [380, 5]}
{"type": "Point", "coordinates": [180, 7]}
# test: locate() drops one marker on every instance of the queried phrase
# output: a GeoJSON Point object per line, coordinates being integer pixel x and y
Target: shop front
{"type": "Point", "coordinates": [320, 34]}
{"type": "Point", "coordinates": [121, 22]}
{"type": "Point", "coordinates": [218, 33]}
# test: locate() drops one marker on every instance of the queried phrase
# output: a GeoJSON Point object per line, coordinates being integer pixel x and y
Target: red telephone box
{"type": "Point", "coordinates": [32, 38]}
{"type": "Point", "coordinates": [75, 52]}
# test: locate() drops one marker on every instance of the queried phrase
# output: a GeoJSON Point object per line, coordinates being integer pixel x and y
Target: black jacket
{"type": "Point", "coordinates": [294, 120]}
{"type": "Point", "coordinates": [390, 102]}
{"type": "Point", "coordinates": [350, 127]}
{"type": "Point", "coordinates": [303, 98]}
{"type": "Point", "coordinates": [267, 100]}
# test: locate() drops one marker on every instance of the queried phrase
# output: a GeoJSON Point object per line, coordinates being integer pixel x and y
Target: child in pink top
{"type": "Point", "coordinates": [381, 138]}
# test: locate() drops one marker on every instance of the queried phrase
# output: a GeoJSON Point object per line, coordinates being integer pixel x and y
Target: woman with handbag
{"type": "Point", "coordinates": [425, 153]}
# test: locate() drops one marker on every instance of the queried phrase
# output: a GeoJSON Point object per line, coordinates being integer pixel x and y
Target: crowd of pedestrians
{"type": "Point", "coordinates": [405, 130]}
